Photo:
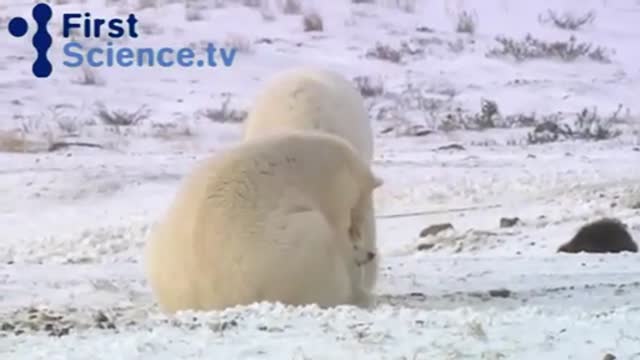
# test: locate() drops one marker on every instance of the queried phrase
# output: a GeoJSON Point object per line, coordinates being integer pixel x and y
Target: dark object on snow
{"type": "Point", "coordinates": [501, 293]}
{"type": "Point", "coordinates": [61, 145]}
{"type": "Point", "coordinates": [609, 357]}
{"type": "Point", "coordinates": [509, 222]}
{"type": "Point", "coordinates": [435, 229]}
{"type": "Point", "coordinates": [425, 247]}
{"type": "Point", "coordinates": [602, 236]}
{"type": "Point", "coordinates": [451, 147]}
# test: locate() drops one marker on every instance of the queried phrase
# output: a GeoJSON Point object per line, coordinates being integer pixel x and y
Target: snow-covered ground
{"type": "Point", "coordinates": [73, 221]}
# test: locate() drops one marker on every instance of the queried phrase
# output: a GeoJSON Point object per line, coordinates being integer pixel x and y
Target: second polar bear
{"type": "Point", "coordinates": [307, 98]}
{"type": "Point", "coordinates": [311, 98]}
{"type": "Point", "coordinates": [263, 221]}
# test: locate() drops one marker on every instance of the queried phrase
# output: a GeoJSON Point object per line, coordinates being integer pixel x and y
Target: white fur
{"type": "Point", "coordinates": [266, 220]}
{"type": "Point", "coordinates": [309, 98]}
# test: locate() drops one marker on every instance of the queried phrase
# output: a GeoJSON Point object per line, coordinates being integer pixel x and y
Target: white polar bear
{"type": "Point", "coordinates": [307, 98]}
{"type": "Point", "coordinates": [310, 98]}
{"type": "Point", "coordinates": [268, 220]}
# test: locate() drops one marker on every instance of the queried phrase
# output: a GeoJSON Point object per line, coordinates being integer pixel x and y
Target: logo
{"type": "Point", "coordinates": [110, 56]}
{"type": "Point", "coordinates": [18, 27]}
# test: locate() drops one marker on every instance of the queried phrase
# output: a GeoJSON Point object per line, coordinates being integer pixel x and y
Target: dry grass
{"type": "Point", "coordinates": [292, 7]}
{"type": "Point", "coordinates": [567, 21]}
{"type": "Point", "coordinates": [238, 42]}
{"type": "Point", "coordinates": [312, 21]}
{"type": "Point", "coordinates": [386, 53]}
{"type": "Point", "coordinates": [466, 22]}
{"type": "Point", "coordinates": [531, 48]}
{"type": "Point", "coordinates": [16, 141]}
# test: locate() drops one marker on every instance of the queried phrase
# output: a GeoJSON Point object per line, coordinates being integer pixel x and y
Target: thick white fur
{"type": "Point", "coordinates": [310, 98]}
{"type": "Point", "coordinates": [307, 98]}
{"type": "Point", "coordinates": [265, 220]}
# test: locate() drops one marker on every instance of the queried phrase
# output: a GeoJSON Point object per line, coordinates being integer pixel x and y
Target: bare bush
{"type": "Point", "coordinates": [567, 21]}
{"type": "Point", "coordinates": [292, 7]}
{"type": "Point", "coordinates": [146, 4]}
{"type": "Point", "coordinates": [238, 42]}
{"type": "Point", "coordinates": [224, 114]}
{"type": "Point", "coordinates": [151, 29]}
{"type": "Point", "coordinates": [466, 22]}
{"type": "Point", "coordinates": [368, 87]}
{"type": "Point", "coordinates": [193, 11]}
{"type": "Point", "coordinates": [118, 118]}
{"type": "Point", "coordinates": [531, 48]}
{"type": "Point", "coordinates": [408, 6]}
{"type": "Point", "coordinates": [385, 52]}
{"type": "Point", "coordinates": [179, 128]}
{"type": "Point", "coordinates": [587, 125]}
{"type": "Point", "coordinates": [312, 21]}
{"type": "Point", "coordinates": [266, 12]}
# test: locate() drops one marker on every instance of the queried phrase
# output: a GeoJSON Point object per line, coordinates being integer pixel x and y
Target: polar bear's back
{"type": "Point", "coordinates": [257, 222]}
{"type": "Point", "coordinates": [308, 98]}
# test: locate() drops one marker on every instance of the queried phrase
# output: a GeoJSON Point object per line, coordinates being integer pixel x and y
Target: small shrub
{"type": "Point", "coordinates": [466, 22]}
{"type": "Point", "coordinates": [531, 48]}
{"type": "Point", "coordinates": [408, 6]}
{"type": "Point", "coordinates": [292, 7]}
{"type": "Point", "coordinates": [312, 21]}
{"type": "Point", "coordinates": [367, 87]}
{"type": "Point", "coordinates": [120, 118]}
{"type": "Point", "coordinates": [193, 11]}
{"type": "Point", "coordinates": [266, 12]}
{"type": "Point", "coordinates": [587, 125]}
{"type": "Point", "coordinates": [567, 21]}
{"type": "Point", "coordinates": [146, 4]}
{"type": "Point", "coordinates": [238, 42]}
{"type": "Point", "coordinates": [385, 52]}
{"type": "Point", "coordinates": [223, 114]}
{"type": "Point", "coordinates": [151, 29]}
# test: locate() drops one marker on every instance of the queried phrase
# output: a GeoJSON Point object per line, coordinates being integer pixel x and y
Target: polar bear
{"type": "Point", "coordinates": [311, 98]}
{"type": "Point", "coordinates": [272, 219]}
{"type": "Point", "coordinates": [307, 98]}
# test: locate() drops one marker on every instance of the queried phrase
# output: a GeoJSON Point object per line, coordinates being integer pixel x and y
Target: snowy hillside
{"type": "Point", "coordinates": [455, 93]}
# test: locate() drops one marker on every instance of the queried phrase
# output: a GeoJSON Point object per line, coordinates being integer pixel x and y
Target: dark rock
{"type": "Point", "coordinates": [424, 29]}
{"type": "Point", "coordinates": [424, 247]}
{"type": "Point", "coordinates": [422, 132]}
{"type": "Point", "coordinates": [435, 229]}
{"type": "Point", "coordinates": [501, 293]}
{"type": "Point", "coordinates": [451, 147]}
{"type": "Point", "coordinates": [387, 130]}
{"type": "Point", "coordinates": [509, 222]}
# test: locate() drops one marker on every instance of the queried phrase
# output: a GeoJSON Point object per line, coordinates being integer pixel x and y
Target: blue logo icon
{"type": "Point", "coordinates": [18, 27]}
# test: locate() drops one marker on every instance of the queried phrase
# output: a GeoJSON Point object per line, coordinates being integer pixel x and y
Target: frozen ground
{"type": "Point", "coordinates": [73, 221]}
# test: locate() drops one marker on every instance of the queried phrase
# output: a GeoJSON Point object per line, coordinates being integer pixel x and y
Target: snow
{"type": "Point", "coordinates": [73, 221]}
